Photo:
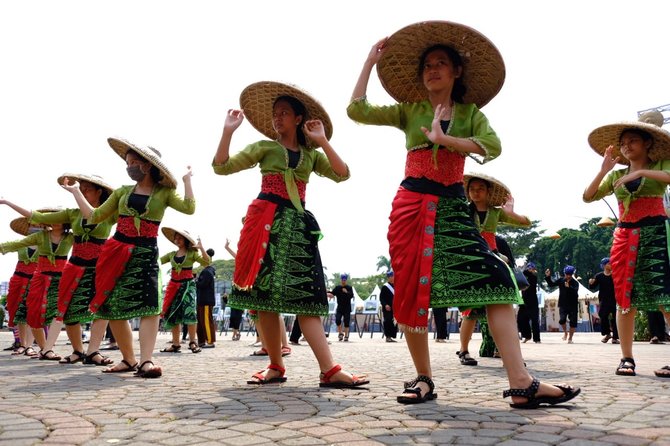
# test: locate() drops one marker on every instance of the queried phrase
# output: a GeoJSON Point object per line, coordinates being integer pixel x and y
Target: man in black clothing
{"type": "Point", "coordinates": [386, 301]}
{"type": "Point", "coordinates": [568, 299]}
{"type": "Point", "coordinates": [205, 302]}
{"type": "Point", "coordinates": [528, 317]}
{"type": "Point", "coordinates": [343, 293]}
{"type": "Point", "coordinates": [605, 285]}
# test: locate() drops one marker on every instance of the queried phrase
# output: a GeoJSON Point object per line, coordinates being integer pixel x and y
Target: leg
{"type": "Point", "coordinates": [467, 328]}
{"type": "Point", "coordinates": [296, 332]}
{"type": "Point", "coordinates": [535, 323]}
{"type": "Point", "coordinates": [282, 328]}
{"type": "Point", "coordinates": [269, 326]}
{"type": "Point", "coordinates": [123, 335]}
{"type": "Point", "coordinates": [346, 321]}
{"type": "Point", "coordinates": [626, 326]}
{"type": "Point", "coordinates": [501, 321]}
{"type": "Point", "coordinates": [148, 333]}
{"type": "Point", "coordinates": [54, 332]}
{"type": "Point", "coordinates": [417, 343]}
{"type": "Point", "coordinates": [74, 335]}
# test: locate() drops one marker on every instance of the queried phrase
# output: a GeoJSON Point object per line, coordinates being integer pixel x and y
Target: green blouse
{"type": "Point", "coordinates": [43, 242]}
{"type": "Point", "coordinates": [73, 216]}
{"type": "Point", "coordinates": [467, 121]}
{"type": "Point", "coordinates": [192, 256]}
{"type": "Point", "coordinates": [273, 158]}
{"type": "Point", "coordinates": [495, 216]}
{"type": "Point", "coordinates": [25, 258]}
{"type": "Point", "coordinates": [161, 198]}
{"type": "Point", "coordinates": [648, 187]}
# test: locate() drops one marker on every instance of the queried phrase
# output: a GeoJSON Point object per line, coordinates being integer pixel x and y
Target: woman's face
{"type": "Point", "coordinates": [284, 119]}
{"type": "Point", "coordinates": [91, 193]}
{"type": "Point", "coordinates": [633, 147]}
{"type": "Point", "coordinates": [179, 240]}
{"type": "Point", "coordinates": [478, 191]}
{"type": "Point", "coordinates": [438, 71]}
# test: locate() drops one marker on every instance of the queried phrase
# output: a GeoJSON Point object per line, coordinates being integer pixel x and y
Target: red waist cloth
{"type": "Point", "coordinates": [68, 285]}
{"type": "Point", "coordinates": [28, 269]}
{"type": "Point", "coordinates": [642, 207]}
{"type": "Point", "coordinates": [186, 273]}
{"type": "Point", "coordinates": [36, 301]}
{"type": "Point", "coordinates": [411, 248]}
{"type": "Point", "coordinates": [490, 238]}
{"type": "Point", "coordinates": [449, 168]}
{"type": "Point", "coordinates": [173, 286]}
{"type": "Point", "coordinates": [623, 258]}
{"type": "Point", "coordinates": [253, 243]}
{"type": "Point", "coordinates": [126, 226]}
{"type": "Point", "coordinates": [86, 251]}
{"type": "Point", "coordinates": [15, 291]}
{"type": "Point", "coordinates": [44, 265]}
{"type": "Point", "coordinates": [273, 183]}
{"type": "Point", "coordinates": [110, 266]}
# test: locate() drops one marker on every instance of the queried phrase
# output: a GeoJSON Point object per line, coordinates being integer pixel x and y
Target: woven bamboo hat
{"type": "Point", "coordinates": [169, 233]}
{"type": "Point", "coordinates": [95, 179]}
{"type": "Point", "coordinates": [258, 98]}
{"type": "Point", "coordinates": [121, 147]}
{"type": "Point", "coordinates": [22, 226]}
{"type": "Point", "coordinates": [483, 65]}
{"type": "Point", "coordinates": [498, 192]}
{"type": "Point", "coordinates": [650, 122]}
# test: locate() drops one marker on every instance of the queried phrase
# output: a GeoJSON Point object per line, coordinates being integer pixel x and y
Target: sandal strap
{"type": "Point", "coordinates": [526, 393]}
{"type": "Point", "coordinates": [145, 363]}
{"type": "Point", "coordinates": [631, 360]}
{"type": "Point", "coordinates": [463, 354]}
{"type": "Point", "coordinates": [413, 391]}
{"type": "Point", "coordinates": [329, 374]}
{"type": "Point", "coordinates": [277, 368]}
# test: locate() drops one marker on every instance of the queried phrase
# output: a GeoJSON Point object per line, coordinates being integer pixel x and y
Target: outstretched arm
{"type": "Point", "coordinates": [229, 249]}
{"type": "Point", "coordinates": [16, 207]}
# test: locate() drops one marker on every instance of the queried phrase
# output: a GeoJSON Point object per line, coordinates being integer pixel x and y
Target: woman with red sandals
{"type": "Point", "coordinates": [179, 304]}
{"type": "Point", "coordinates": [437, 253]}
{"type": "Point", "coordinates": [639, 254]}
{"type": "Point", "coordinates": [18, 290]}
{"type": "Point", "coordinates": [76, 288]}
{"type": "Point", "coordinates": [278, 267]}
{"type": "Point", "coordinates": [53, 245]}
{"type": "Point", "coordinates": [126, 281]}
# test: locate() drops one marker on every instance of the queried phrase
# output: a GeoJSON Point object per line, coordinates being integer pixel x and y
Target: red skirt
{"type": "Point", "coordinates": [16, 291]}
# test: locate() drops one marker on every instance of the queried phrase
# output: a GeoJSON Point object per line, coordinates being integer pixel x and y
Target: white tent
{"type": "Point", "coordinates": [375, 293]}
{"type": "Point", "coordinates": [357, 301]}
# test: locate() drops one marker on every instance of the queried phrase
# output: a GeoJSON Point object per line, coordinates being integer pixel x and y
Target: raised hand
{"type": "Point", "coordinates": [608, 160]}
{"type": "Point", "coordinates": [233, 119]}
{"type": "Point", "coordinates": [508, 206]}
{"type": "Point", "coordinates": [377, 51]}
{"type": "Point", "coordinates": [70, 185]}
{"type": "Point", "coordinates": [436, 131]}
{"type": "Point", "coordinates": [315, 131]}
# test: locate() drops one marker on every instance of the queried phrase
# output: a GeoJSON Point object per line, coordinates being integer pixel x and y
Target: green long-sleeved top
{"type": "Point", "coordinates": [494, 216]}
{"type": "Point", "coordinates": [467, 121]}
{"type": "Point", "coordinates": [192, 256]}
{"type": "Point", "coordinates": [25, 257]}
{"type": "Point", "coordinates": [161, 198]}
{"type": "Point", "coordinates": [43, 242]}
{"type": "Point", "coordinates": [273, 159]}
{"type": "Point", "coordinates": [75, 218]}
{"type": "Point", "coordinates": [648, 187]}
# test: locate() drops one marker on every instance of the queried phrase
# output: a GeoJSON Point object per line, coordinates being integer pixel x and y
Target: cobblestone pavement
{"type": "Point", "coordinates": [204, 399]}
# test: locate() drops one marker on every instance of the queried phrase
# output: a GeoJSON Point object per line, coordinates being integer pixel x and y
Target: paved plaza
{"type": "Point", "coordinates": [204, 399]}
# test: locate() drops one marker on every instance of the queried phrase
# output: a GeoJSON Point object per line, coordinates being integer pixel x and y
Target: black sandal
{"type": "Point", "coordinates": [412, 388]}
{"type": "Point", "coordinates": [104, 360]}
{"type": "Point", "coordinates": [172, 349]}
{"type": "Point", "coordinates": [194, 347]}
{"type": "Point", "coordinates": [663, 372]}
{"type": "Point", "coordinates": [534, 402]}
{"type": "Point", "coordinates": [626, 367]}
{"type": "Point", "coordinates": [153, 371]}
{"type": "Point", "coordinates": [44, 356]}
{"type": "Point", "coordinates": [466, 359]}
{"type": "Point", "coordinates": [79, 356]}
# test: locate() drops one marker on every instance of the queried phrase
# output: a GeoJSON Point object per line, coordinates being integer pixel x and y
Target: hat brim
{"type": "Point", "coordinates": [609, 135]}
{"type": "Point", "coordinates": [497, 194]}
{"type": "Point", "coordinates": [257, 100]}
{"type": "Point", "coordinates": [21, 225]}
{"type": "Point", "coordinates": [398, 67]}
{"type": "Point", "coordinates": [121, 147]}
{"type": "Point", "coordinates": [95, 179]}
{"type": "Point", "coordinates": [169, 233]}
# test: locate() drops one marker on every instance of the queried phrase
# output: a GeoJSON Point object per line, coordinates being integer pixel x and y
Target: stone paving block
{"type": "Point", "coordinates": [302, 441]}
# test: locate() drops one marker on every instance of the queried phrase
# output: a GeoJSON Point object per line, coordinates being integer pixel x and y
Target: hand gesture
{"type": "Point", "coordinates": [199, 243]}
{"type": "Point", "coordinates": [315, 131]}
{"type": "Point", "coordinates": [227, 244]}
{"type": "Point", "coordinates": [436, 132]}
{"type": "Point", "coordinates": [608, 160]}
{"type": "Point", "coordinates": [508, 206]}
{"type": "Point", "coordinates": [70, 185]}
{"type": "Point", "coordinates": [377, 51]}
{"type": "Point", "coordinates": [233, 119]}
{"type": "Point", "coordinates": [187, 176]}
{"type": "Point", "coordinates": [627, 178]}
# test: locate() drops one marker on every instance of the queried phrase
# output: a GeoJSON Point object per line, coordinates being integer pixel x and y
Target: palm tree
{"type": "Point", "coordinates": [383, 262]}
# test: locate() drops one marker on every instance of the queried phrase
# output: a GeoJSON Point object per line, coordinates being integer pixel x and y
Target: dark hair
{"type": "Point", "coordinates": [104, 192]}
{"type": "Point", "coordinates": [300, 110]}
{"type": "Point", "coordinates": [210, 252]}
{"type": "Point", "coordinates": [486, 182]}
{"type": "Point", "coordinates": [187, 243]}
{"type": "Point", "coordinates": [458, 92]}
{"type": "Point", "coordinates": [646, 136]}
{"type": "Point", "coordinates": [155, 173]}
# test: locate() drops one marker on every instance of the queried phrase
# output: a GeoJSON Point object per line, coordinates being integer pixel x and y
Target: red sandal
{"type": "Point", "coordinates": [260, 379]}
{"type": "Point", "coordinates": [324, 380]}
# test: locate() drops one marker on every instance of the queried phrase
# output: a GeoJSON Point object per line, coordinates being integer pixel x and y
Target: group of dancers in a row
{"type": "Point", "coordinates": [441, 247]}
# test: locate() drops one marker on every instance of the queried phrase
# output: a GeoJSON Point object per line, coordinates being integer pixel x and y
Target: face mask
{"type": "Point", "coordinates": [135, 173]}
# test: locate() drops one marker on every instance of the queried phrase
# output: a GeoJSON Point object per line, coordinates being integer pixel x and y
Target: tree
{"type": "Point", "coordinates": [521, 240]}
{"type": "Point", "coordinates": [383, 262]}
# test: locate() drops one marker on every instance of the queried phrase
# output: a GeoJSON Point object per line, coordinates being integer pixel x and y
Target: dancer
{"type": "Point", "coordinates": [437, 253]}
{"type": "Point", "coordinates": [639, 254]}
{"type": "Point", "coordinates": [126, 281]}
{"type": "Point", "coordinates": [179, 305]}
{"type": "Point", "coordinates": [278, 267]}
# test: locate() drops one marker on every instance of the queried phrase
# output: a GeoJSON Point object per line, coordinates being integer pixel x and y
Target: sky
{"type": "Point", "coordinates": [164, 73]}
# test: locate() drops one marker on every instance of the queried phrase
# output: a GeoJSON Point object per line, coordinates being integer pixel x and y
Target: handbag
{"type": "Point", "coordinates": [520, 278]}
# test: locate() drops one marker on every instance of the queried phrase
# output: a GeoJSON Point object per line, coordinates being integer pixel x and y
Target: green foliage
{"type": "Point", "coordinates": [642, 332]}
{"type": "Point", "coordinates": [224, 269]}
{"type": "Point", "coordinates": [521, 240]}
